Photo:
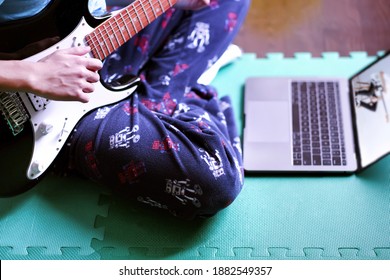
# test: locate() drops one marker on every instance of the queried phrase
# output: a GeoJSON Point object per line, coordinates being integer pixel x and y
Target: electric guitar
{"type": "Point", "coordinates": [33, 130]}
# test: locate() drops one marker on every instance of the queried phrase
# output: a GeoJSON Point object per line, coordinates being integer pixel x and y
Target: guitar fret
{"type": "Point", "coordinates": [161, 9]}
{"type": "Point", "coordinates": [169, 3]}
{"type": "Point", "coordinates": [96, 48]}
{"type": "Point", "coordinates": [92, 45]}
{"type": "Point", "coordinates": [114, 35]}
{"type": "Point", "coordinates": [101, 47]}
{"type": "Point", "coordinates": [138, 19]}
{"type": "Point", "coordinates": [96, 53]}
{"type": "Point", "coordinates": [132, 23]}
{"type": "Point", "coordinates": [107, 39]}
{"type": "Point", "coordinates": [126, 27]}
{"type": "Point", "coordinates": [128, 22]}
{"type": "Point", "coordinates": [154, 12]}
{"type": "Point", "coordinates": [102, 42]}
{"type": "Point", "coordinates": [146, 15]}
{"type": "Point", "coordinates": [120, 28]}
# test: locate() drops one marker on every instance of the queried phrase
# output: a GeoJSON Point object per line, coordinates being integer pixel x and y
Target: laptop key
{"type": "Point", "coordinates": [336, 160]}
{"type": "Point", "coordinates": [317, 160]}
{"type": "Point", "coordinates": [306, 158]}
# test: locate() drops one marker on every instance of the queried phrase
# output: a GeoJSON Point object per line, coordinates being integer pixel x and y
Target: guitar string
{"type": "Point", "coordinates": [142, 14]}
{"type": "Point", "coordinates": [130, 14]}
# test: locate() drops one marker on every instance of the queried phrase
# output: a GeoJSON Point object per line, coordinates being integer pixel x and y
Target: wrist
{"type": "Point", "coordinates": [16, 75]}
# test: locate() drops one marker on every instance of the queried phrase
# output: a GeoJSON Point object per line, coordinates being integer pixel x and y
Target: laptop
{"type": "Point", "coordinates": [317, 124]}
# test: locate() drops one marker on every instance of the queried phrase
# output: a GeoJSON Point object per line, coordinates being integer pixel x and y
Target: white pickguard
{"type": "Point", "coordinates": [53, 125]}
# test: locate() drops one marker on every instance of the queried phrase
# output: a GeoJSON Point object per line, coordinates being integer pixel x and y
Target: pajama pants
{"type": "Point", "coordinates": [173, 143]}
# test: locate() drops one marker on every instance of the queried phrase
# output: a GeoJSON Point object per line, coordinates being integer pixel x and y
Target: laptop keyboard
{"type": "Point", "coordinates": [318, 138]}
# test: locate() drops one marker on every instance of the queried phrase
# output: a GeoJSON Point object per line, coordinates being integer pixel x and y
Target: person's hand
{"type": "Point", "coordinates": [66, 75]}
{"type": "Point", "coordinates": [192, 4]}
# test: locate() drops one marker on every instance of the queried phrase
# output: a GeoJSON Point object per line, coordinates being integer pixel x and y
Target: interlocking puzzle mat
{"type": "Point", "coordinates": [275, 217]}
{"type": "Point", "coordinates": [53, 220]}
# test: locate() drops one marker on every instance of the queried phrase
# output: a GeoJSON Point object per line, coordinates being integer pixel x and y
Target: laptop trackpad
{"type": "Point", "coordinates": [268, 121]}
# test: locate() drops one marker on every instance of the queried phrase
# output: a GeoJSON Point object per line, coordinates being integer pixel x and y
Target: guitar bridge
{"type": "Point", "coordinates": [13, 111]}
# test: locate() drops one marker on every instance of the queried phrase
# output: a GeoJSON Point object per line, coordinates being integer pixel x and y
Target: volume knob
{"type": "Point", "coordinates": [45, 127]}
{"type": "Point", "coordinates": [37, 167]}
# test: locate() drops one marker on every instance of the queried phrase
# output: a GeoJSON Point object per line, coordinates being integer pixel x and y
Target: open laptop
{"type": "Point", "coordinates": [317, 124]}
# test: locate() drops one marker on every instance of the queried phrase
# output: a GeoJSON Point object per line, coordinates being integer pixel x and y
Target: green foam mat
{"type": "Point", "coordinates": [55, 217]}
{"type": "Point", "coordinates": [275, 217]}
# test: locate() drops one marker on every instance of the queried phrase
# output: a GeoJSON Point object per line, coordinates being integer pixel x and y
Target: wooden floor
{"type": "Point", "coordinates": [316, 26]}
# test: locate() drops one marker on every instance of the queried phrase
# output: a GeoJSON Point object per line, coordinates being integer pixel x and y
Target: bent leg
{"type": "Point", "coordinates": [171, 145]}
{"type": "Point", "coordinates": [185, 165]}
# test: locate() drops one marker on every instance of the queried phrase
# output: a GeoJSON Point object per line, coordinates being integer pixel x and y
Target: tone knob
{"type": "Point", "coordinates": [37, 167]}
{"type": "Point", "coordinates": [45, 127]}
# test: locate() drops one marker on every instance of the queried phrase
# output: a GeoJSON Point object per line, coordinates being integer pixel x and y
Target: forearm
{"type": "Point", "coordinates": [63, 75]}
{"type": "Point", "coordinates": [15, 75]}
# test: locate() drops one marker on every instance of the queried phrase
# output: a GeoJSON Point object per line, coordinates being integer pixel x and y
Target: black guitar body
{"type": "Point", "coordinates": [58, 19]}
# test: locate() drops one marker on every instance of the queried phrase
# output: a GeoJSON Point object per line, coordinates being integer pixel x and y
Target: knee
{"type": "Point", "coordinates": [219, 193]}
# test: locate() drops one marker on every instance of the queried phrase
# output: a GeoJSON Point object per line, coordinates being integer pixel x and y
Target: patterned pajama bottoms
{"type": "Point", "coordinates": [173, 143]}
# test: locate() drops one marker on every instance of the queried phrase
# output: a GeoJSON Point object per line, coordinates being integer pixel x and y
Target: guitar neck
{"type": "Point", "coordinates": [121, 27]}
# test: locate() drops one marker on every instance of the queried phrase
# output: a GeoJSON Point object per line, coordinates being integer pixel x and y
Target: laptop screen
{"type": "Point", "coordinates": [371, 97]}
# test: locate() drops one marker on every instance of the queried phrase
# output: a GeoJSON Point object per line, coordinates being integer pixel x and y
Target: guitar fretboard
{"type": "Point", "coordinates": [118, 29]}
